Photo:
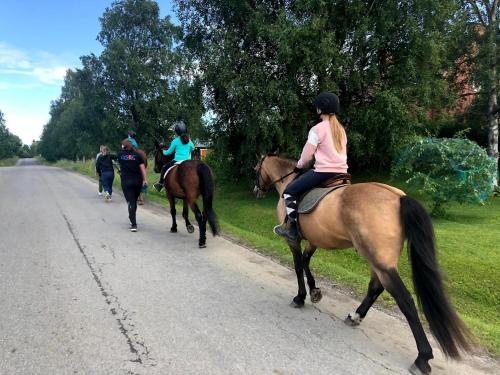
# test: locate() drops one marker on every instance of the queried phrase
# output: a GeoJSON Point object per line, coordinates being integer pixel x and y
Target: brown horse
{"type": "Point", "coordinates": [187, 181]}
{"type": "Point", "coordinates": [375, 219]}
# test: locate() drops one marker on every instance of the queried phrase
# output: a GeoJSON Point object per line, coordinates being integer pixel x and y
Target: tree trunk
{"type": "Point", "coordinates": [492, 102]}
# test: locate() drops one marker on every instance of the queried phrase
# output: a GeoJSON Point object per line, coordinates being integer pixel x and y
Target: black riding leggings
{"type": "Point", "coordinates": [131, 190]}
{"type": "Point", "coordinates": [307, 181]}
{"type": "Point", "coordinates": [165, 168]}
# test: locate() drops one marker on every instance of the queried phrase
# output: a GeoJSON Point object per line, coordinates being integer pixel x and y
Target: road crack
{"type": "Point", "coordinates": [136, 344]}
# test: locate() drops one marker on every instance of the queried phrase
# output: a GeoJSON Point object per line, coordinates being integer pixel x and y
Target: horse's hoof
{"type": "Point", "coordinates": [297, 302]}
{"type": "Point", "coordinates": [173, 230]}
{"type": "Point", "coordinates": [353, 320]}
{"type": "Point", "coordinates": [316, 295]}
{"type": "Point", "coordinates": [202, 245]}
{"type": "Point", "coordinates": [190, 228]}
{"type": "Point", "coordinates": [416, 371]}
{"type": "Point", "coordinates": [421, 365]}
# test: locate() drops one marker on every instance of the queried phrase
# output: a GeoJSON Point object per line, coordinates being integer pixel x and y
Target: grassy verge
{"type": "Point", "coordinates": [8, 162]}
{"type": "Point", "coordinates": [468, 245]}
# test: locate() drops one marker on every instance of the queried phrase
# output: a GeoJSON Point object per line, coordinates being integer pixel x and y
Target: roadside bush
{"type": "Point", "coordinates": [222, 167]}
{"type": "Point", "coordinates": [447, 169]}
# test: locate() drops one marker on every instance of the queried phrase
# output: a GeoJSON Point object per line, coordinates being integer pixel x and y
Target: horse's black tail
{"type": "Point", "coordinates": [207, 192]}
{"type": "Point", "coordinates": [446, 326]}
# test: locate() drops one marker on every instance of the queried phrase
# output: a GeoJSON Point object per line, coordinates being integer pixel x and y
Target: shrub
{"type": "Point", "coordinates": [448, 169]}
{"type": "Point", "coordinates": [222, 167]}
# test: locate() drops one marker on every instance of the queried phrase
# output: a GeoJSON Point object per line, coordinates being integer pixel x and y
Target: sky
{"type": "Point", "coordinates": [39, 41]}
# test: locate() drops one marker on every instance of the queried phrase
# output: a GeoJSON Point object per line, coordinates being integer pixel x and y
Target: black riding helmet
{"type": "Point", "coordinates": [327, 103]}
{"type": "Point", "coordinates": [180, 128]}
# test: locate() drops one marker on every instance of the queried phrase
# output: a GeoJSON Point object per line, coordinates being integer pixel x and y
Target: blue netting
{"type": "Point", "coordinates": [449, 168]}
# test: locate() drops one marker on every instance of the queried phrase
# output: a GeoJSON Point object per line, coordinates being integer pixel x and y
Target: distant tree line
{"type": "Point", "coordinates": [243, 74]}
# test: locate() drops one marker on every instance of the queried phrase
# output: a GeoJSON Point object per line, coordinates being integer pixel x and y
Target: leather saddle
{"type": "Point", "coordinates": [308, 202]}
{"type": "Point", "coordinates": [341, 179]}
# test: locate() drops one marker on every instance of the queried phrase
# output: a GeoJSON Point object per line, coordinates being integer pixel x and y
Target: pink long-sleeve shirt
{"type": "Point", "coordinates": [320, 145]}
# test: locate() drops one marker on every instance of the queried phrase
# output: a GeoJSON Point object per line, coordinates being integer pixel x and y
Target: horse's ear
{"type": "Point", "coordinates": [258, 155]}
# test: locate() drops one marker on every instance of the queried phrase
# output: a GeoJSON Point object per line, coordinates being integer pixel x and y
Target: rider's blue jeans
{"type": "Point", "coordinates": [107, 178]}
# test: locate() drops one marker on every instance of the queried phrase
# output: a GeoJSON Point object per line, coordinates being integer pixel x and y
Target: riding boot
{"type": "Point", "coordinates": [290, 232]}
{"type": "Point", "coordinates": [159, 185]}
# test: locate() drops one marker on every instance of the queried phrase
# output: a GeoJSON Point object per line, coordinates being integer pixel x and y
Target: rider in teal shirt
{"type": "Point", "coordinates": [182, 150]}
{"type": "Point", "coordinates": [182, 146]}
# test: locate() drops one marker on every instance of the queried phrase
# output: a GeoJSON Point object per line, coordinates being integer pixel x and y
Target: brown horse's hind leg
{"type": "Point", "coordinates": [314, 292]}
{"type": "Point", "coordinates": [202, 223]}
{"type": "Point", "coordinates": [298, 300]}
{"type": "Point", "coordinates": [391, 280]}
{"type": "Point", "coordinates": [375, 288]}
{"type": "Point", "coordinates": [185, 215]}
{"type": "Point", "coordinates": [173, 212]}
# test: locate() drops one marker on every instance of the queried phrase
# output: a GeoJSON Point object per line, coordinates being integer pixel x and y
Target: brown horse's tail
{"type": "Point", "coordinates": [446, 326]}
{"type": "Point", "coordinates": [207, 192]}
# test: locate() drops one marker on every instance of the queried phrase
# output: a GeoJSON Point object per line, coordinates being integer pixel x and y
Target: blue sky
{"type": "Point", "coordinates": [39, 41]}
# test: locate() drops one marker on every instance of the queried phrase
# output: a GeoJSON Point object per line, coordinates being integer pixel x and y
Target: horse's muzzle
{"type": "Point", "coordinates": [259, 194]}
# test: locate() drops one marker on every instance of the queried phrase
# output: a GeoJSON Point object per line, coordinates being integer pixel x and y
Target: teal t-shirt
{"type": "Point", "coordinates": [182, 151]}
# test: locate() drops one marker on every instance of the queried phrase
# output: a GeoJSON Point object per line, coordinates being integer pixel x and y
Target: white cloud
{"type": "Point", "coordinates": [26, 127]}
{"type": "Point", "coordinates": [50, 76]}
{"type": "Point", "coordinates": [12, 58]}
{"type": "Point", "coordinates": [29, 80]}
{"type": "Point", "coordinates": [44, 67]}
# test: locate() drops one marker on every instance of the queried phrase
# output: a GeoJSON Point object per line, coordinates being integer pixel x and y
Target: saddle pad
{"type": "Point", "coordinates": [311, 199]}
{"type": "Point", "coordinates": [168, 170]}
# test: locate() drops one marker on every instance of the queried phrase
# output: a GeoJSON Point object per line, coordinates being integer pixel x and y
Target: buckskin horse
{"type": "Point", "coordinates": [187, 181]}
{"type": "Point", "coordinates": [375, 219]}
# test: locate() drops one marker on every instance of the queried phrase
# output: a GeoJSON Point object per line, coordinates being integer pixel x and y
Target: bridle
{"type": "Point", "coordinates": [258, 173]}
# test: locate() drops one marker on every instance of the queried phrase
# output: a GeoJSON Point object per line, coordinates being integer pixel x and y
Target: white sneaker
{"type": "Point", "coordinates": [107, 197]}
{"type": "Point", "coordinates": [99, 193]}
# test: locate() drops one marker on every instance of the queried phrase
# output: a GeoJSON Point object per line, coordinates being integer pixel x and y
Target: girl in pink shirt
{"type": "Point", "coordinates": [327, 143]}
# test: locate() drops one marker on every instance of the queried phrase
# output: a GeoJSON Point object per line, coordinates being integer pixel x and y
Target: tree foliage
{"type": "Point", "coordinates": [243, 75]}
{"type": "Point", "coordinates": [141, 82]}
{"type": "Point", "coordinates": [483, 30]}
{"type": "Point", "coordinates": [263, 63]}
{"type": "Point", "coordinates": [10, 144]}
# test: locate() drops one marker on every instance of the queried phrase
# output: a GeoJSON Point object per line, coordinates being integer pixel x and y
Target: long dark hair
{"type": "Point", "coordinates": [185, 138]}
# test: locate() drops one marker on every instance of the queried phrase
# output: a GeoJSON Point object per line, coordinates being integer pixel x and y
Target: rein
{"type": "Point", "coordinates": [257, 183]}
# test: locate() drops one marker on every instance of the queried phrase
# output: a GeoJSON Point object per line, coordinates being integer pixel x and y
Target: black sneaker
{"type": "Point", "coordinates": [133, 228]}
{"type": "Point", "coordinates": [158, 187]}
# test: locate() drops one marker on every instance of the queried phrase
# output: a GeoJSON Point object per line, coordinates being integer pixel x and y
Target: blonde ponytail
{"type": "Point", "coordinates": [338, 133]}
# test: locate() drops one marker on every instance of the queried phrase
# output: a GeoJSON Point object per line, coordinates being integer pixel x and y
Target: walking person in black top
{"type": "Point", "coordinates": [97, 172]}
{"type": "Point", "coordinates": [133, 176]}
{"type": "Point", "coordinates": [104, 167]}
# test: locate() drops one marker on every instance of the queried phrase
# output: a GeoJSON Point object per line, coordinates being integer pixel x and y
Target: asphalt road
{"type": "Point", "coordinates": [80, 294]}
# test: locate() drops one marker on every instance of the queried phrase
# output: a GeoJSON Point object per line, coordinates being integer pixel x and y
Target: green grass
{"type": "Point", "coordinates": [468, 250]}
{"type": "Point", "coordinates": [8, 162]}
